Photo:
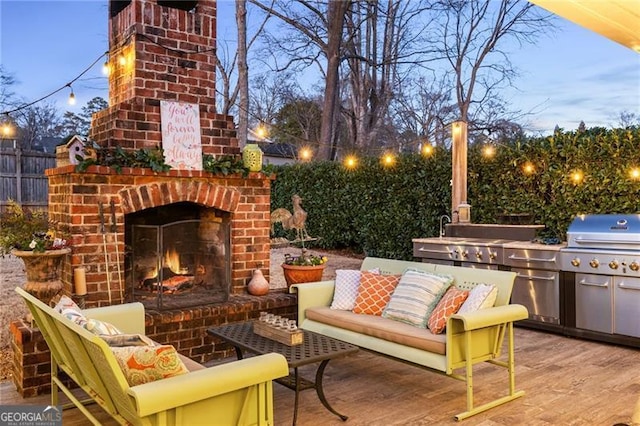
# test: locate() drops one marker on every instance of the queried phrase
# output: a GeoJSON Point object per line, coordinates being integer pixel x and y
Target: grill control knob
{"type": "Point", "coordinates": [594, 263]}
{"type": "Point", "coordinates": [464, 254]}
{"type": "Point", "coordinates": [492, 255]}
{"type": "Point", "coordinates": [575, 261]}
{"type": "Point", "coordinates": [613, 264]}
{"type": "Point", "coordinates": [478, 255]}
{"type": "Point", "coordinates": [634, 266]}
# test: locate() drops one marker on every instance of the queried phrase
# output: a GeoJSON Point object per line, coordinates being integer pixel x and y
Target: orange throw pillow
{"type": "Point", "coordinates": [374, 293]}
{"type": "Point", "coordinates": [447, 306]}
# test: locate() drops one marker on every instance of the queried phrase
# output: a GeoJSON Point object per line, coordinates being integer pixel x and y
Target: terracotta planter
{"type": "Point", "coordinates": [294, 274]}
{"type": "Point", "coordinates": [43, 272]}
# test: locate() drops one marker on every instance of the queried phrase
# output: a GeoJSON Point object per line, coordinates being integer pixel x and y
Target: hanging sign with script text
{"type": "Point", "coordinates": [181, 135]}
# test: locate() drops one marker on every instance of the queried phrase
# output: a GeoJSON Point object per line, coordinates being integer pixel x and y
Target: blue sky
{"type": "Point", "coordinates": [571, 76]}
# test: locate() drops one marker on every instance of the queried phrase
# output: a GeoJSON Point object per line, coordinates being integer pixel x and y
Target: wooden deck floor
{"type": "Point", "coordinates": [567, 382]}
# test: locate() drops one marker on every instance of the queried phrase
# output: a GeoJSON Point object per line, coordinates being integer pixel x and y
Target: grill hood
{"type": "Point", "coordinates": [605, 231]}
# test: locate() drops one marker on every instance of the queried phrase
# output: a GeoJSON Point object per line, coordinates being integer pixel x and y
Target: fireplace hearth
{"type": "Point", "coordinates": [179, 256]}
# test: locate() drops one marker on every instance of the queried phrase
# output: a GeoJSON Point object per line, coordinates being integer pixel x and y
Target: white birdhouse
{"type": "Point", "coordinates": [70, 152]}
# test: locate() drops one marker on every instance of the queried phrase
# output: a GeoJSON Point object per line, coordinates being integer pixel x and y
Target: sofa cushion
{"type": "Point", "coordinates": [143, 364]}
{"type": "Point", "coordinates": [374, 292]}
{"type": "Point", "coordinates": [447, 306]}
{"type": "Point", "coordinates": [382, 328]}
{"type": "Point", "coordinates": [415, 297]}
{"type": "Point", "coordinates": [480, 297]}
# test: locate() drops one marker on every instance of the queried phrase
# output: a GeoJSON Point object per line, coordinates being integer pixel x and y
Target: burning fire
{"type": "Point", "coordinates": [172, 261]}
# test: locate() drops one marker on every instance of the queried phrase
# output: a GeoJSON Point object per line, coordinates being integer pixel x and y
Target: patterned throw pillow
{"type": "Point", "coordinates": [447, 306]}
{"type": "Point", "coordinates": [374, 292]}
{"type": "Point", "coordinates": [143, 364]}
{"type": "Point", "coordinates": [71, 311]}
{"type": "Point", "coordinates": [346, 289]}
{"type": "Point", "coordinates": [480, 297]}
{"type": "Point", "coordinates": [416, 296]}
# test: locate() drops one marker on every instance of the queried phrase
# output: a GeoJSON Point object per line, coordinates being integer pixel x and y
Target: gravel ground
{"type": "Point", "coordinates": [12, 276]}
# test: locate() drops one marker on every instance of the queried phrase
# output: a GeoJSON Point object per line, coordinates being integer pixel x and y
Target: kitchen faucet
{"type": "Point", "coordinates": [444, 216]}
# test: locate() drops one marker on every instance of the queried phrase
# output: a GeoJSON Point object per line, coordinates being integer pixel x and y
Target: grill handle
{"type": "Point", "coordinates": [532, 259]}
{"type": "Point", "coordinates": [585, 282]}
{"type": "Point", "coordinates": [535, 277]}
{"type": "Point", "coordinates": [579, 240]}
{"type": "Point", "coordinates": [628, 286]}
{"type": "Point", "coordinates": [424, 250]}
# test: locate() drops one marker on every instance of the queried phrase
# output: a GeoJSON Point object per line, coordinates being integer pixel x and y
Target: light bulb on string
{"type": "Point", "coordinates": [488, 151]}
{"type": "Point", "coordinates": [106, 68]}
{"type": "Point", "coordinates": [72, 96]}
{"type": "Point", "coordinates": [634, 173]}
{"type": "Point", "coordinates": [528, 168]}
{"type": "Point", "coordinates": [305, 154]}
{"type": "Point", "coordinates": [7, 128]}
{"type": "Point", "coordinates": [350, 162]}
{"type": "Point", "coordinates": [427, 149]}
{"type": "Point", "coordinates": [388, 159]}
{"type": "Point", "coordinates": [577, 177]}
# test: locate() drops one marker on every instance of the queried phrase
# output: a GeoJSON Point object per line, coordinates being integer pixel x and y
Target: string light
{"type": "Point", "coordinates": [72, 96]}
{"type": "Point", "coordinates": [388, 160]}
{"type": "Point", "coordinates": [7, 128]}
{"type": "Point", "coordinates": [305, 153]}
{"type": "Point", "coordinates": [427, 150]}
{"type": "Point", "coordinates": [350, 161]}
{"type": "Point", "coordinates": [261, 131]}
{"type": "Point", "coordinates": [528, 168]}
{"type": "Point", "coordinates": [488, 151]}
{"type": "Point", "coordinates": [577, 177]}
{"type": "Point", "coordinates": [634, 173]}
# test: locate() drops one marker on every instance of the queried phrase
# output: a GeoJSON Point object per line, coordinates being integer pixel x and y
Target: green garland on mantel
{"type": "Point", "coordinates": [153, 158]}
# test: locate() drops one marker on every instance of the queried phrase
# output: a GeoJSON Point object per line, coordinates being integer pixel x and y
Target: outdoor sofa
{"type": "Point", "coordinates": [236, 393]}
{"type": "Point", "coordinates": [468, 339]}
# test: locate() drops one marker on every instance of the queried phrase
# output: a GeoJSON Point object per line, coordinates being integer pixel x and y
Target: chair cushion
{"type": "Point", "coordinates": [480, 297]}
{"type": "Point", "coordinates": [143, 364]}
{"type": "Point", "coordinates": [447, 306]}
{"type": "Point", "coordinates": [374, 292]}
{"type": "Point", "coordinates": [416, 296]}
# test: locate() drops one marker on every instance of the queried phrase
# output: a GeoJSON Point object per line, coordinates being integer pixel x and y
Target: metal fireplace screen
{"type": "Point", "coordinates": [180, 264]}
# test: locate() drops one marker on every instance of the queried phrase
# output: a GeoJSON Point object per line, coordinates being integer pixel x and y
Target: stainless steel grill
{"type": "Point", "coordinates": [604, 253]}
{"type": "Point", "coordinates": [603, 244]}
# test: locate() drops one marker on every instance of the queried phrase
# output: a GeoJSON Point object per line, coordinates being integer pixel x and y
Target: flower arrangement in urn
{"type": "Point", "coordinates": [25, 230]}
{"type": "Point", "coordinates": [30, 236]}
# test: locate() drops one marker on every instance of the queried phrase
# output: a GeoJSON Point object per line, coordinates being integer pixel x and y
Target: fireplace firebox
{"type": "Point", "coordinates": [178, 256]}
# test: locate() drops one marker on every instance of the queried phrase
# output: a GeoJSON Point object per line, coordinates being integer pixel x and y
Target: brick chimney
{"type": "Point", "coordinates": [161, 50]}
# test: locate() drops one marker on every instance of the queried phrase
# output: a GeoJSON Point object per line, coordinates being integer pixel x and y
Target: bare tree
{"type": "Point", "coordinates": [472, 35]}
{"type": "Point", "coordinates": [421, 109]}
{"type": "Point", "coordinates": [243, 72]}
{"type": "Point", "coordinates": [37, 122]}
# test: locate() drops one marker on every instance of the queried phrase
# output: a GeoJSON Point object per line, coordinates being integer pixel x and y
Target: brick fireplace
{"type": "Point", "coordinates": [159, 51]}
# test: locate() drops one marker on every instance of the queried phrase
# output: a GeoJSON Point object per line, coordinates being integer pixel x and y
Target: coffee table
{"type": "Point", "coordinates": [316, 348]}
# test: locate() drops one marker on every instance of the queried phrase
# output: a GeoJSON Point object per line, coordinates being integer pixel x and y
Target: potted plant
{"type": "Point", "coordinates": [30, 236]}
{"type": "Point", "coordinates": [304, 268]}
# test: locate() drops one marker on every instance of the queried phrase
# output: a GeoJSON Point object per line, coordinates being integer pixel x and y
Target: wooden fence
{"type": "Point", "coordinates": [22, 177]}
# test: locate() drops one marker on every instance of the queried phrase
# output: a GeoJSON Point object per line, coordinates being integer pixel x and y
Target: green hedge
{"type": "Point", "coordinates": [378, 210]}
